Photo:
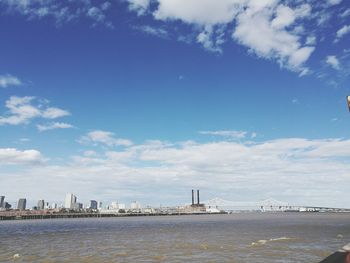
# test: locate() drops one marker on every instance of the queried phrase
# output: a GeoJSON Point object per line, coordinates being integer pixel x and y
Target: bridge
{"type": "Point", "coordinates": [268, 205]}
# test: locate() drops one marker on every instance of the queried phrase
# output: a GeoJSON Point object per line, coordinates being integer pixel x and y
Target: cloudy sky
{"type": "Point", "coordinates": [146, 99]}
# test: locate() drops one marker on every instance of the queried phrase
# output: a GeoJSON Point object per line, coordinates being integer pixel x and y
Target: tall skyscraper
{"type": "Point", "coordinates": [93, 204]}
{"type": "Point", "coordinates": [2, 201]}
{"type": "Point", "coordinates": [41, 204]}
{"type": "Point", "coordinates": [70, 201]}
{"type": "Point", "coordinates": [22, 202]}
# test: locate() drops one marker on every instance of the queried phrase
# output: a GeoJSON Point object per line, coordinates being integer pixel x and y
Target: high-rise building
{"type": "Point", "coordinates": [70, 201]}
{"type": "Point", "coordinates": [22, 202]}
{"type": "Point", "coordinates": [41, 204]}
{"type": "Point", "coordinates": [2, 201]}
{"type": "Point", "coordinates": [135, 205]}
{"type": "Point", "coordinates": [93, 204]}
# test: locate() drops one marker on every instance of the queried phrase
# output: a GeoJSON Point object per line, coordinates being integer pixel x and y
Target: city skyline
{"type": "Point", "coordinates": [143, 100]}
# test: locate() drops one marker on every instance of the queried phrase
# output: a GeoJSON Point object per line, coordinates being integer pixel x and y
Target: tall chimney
{"type": "Point", "coordinates": [198, 197]}
{"type": "Point", "coordinates": [192, 197]}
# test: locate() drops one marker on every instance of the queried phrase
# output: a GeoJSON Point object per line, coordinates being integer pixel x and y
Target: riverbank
{"type": "Point", "coordinates": [26, 216]}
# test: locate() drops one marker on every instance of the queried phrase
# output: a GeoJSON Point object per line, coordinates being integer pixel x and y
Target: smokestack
{"type": "Point", "coordinates": [192, 197]}
{"type": "Point", "coordinates": [198, 197]}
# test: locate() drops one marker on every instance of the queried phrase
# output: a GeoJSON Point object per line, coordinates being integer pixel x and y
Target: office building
{"type": "Point", "coordinates": [2, 201]}
{"type": "Point", "coordinates": [41, 205]}
{"type": "Point", "coordinates": [70, 201]}
{"type": "Point", "coordinates": [22, 203]}
{"type": "Point", "coordinates": [93, 204]}
{"type": "Point", "coordinates": [135, 205]}
{"type": "Point", "coordinates": [78, 206]}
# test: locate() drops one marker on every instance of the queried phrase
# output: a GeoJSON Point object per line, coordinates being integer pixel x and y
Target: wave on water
{"type": "Point", "coordinates": [265, 241]}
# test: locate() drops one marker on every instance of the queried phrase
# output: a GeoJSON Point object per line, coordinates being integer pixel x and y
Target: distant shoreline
{"type": "Point", "coordinates": [91, 215]}
{"type": "Point", "coordinates": [109, 215]}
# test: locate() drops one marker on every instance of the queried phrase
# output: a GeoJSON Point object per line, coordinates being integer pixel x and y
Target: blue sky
{"type": "Point", "coordinates": [124, 100]}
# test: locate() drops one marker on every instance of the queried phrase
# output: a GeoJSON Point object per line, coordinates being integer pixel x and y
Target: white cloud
{"type": "Point", "coordinates": [153, 31]}
{"type": "Point", "coordinates": [212, 39]}
{"type": "Point", "coordinates": [105, 138]}
{"type": "Point", "coordinates": [53, 113]}
{"type": "Point", "coordinates": [203, 12]}
{"type": "Point", "coordinates": [296, 170]}
{"type": "Point", "coordinates": [9, 80]}
{"type": "Point", "coordinates": [231, 134]}
{"type": "Point", "coordinates": [333, 2]}
{"type": "Point", "coordinates": [60, 11]}
{"type": "Point", "coordinates": [22, 111]}
{"type": "Point", "coordinates": [53, 126]}
{"type": "Point", "coordinates": [140, 6]}
{"type": "Point", "coordinates": [333, 62]}
{"type": "Point", "coordinates": [310, 40]}
{"type": "Point", "coordinates": [96, 14]}
{"type": "Point", "coordinates": [13, 156]}
{"type": "Point", "coordinates": [343, 31]}
{"type": "Point", "coordinates": [270, 29]}
{"type": "Point", "coordinates": [345, 13]}
{"type": "Point", "coordinates": [269, 38]}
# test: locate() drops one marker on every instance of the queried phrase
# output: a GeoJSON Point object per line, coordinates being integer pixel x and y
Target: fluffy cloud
{"type": "Point", "coordinates": [104, 138]}
{"type": "Point", "coordinates": [263, 29]}
{"type": "Point", "coordinates": [140, 6]}
{"type": "Point", "coordinates": [9, 80]}
{"type": "Point", "coordinates": [333, 62]}
{"type": "Point", "coordinates": [13, 156]}
{"type": "Point", "coordinates": [270, 29]}
{"type": "Point", "coordinates": [343, 31]}
{"type": "Point", "coordinates": [22, 111]}
{"type": "Point", "coordinates": [203, 12]}
{"type": "Point", "coordinates": [53, 126]}
{"type": "Point", "coordinates": [230, 134]}
{"type": "Point", "coordinates": [295, 170]}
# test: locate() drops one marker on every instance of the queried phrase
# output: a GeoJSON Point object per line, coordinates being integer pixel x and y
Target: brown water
{"type": "Point", "coordinates": [260, 237]}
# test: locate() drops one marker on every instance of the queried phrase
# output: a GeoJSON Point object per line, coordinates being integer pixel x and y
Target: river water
{"type": "Point", "coordinates": [244, 237]}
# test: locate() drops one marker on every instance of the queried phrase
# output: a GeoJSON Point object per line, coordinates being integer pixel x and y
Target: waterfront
{"type": "Point", "coordinates": [244, 237]}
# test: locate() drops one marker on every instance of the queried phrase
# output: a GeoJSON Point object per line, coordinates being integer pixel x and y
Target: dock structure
{"type": "Point", "coordinates": [95, 215]}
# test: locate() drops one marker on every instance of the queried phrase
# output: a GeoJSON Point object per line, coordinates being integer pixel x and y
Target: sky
{"type": "Point", "coordinates": [123, 100]}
